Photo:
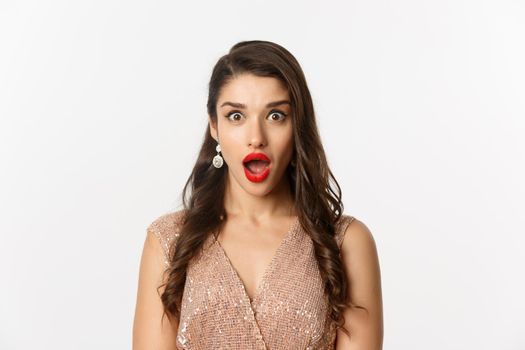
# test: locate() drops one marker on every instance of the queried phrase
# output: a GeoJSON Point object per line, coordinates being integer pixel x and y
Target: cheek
{"type": "Point", "coordinates": [285, 144]}
{"type": "Point", "coordinates": [288, 136]}
{"type": "Point", "coordinates": [231, 150]}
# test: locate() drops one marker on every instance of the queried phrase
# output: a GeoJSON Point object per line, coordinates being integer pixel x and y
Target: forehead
{"type": "Point", "coordinates": [252, 90]}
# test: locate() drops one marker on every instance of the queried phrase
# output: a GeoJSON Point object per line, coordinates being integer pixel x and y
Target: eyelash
{"type": "Point", "coordinates": [271, 112]}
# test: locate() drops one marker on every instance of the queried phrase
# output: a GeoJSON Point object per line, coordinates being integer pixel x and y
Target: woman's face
{"type": "Point", "coordinates": [254, 115]}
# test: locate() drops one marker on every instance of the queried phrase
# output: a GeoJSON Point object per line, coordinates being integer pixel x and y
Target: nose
{"type": "Point", "coordinates": [256, 133]}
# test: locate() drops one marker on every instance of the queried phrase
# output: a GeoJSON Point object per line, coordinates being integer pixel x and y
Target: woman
{"type": "Point", "coordinates": [261, 256]}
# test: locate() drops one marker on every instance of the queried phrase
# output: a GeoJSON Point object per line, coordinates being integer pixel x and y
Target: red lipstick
{"type": "Point", "coordinates": [259, 173]}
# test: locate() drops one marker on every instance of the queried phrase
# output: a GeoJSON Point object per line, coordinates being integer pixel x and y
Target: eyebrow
{"type": "Point", "coordinates": [271, 104]}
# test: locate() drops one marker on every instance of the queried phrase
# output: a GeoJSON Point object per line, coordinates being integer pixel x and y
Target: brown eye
{"type": "Point", "coordinates": [281, 114]}
{"type": "Point", "coordinates": [229, 116]}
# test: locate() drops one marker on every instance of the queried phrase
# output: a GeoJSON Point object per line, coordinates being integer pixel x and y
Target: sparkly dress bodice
{"type": "Point", "coordinates": [288, 311]}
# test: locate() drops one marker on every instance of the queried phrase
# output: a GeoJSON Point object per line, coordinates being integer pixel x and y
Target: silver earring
{"type": "Point", "coordinates": [217, 160]}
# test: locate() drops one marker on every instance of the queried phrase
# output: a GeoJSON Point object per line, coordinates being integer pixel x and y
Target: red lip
{"type": "Point", "coordinates": [258, 156]}
{"type": "Point", "coordinates": [257, 177]}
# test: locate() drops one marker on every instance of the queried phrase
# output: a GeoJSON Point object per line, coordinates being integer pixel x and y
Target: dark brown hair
{"type": "Point", "coordinates": [317, 195]}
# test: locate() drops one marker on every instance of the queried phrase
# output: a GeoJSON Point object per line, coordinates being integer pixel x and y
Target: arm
{"type": "Point", "coordinates": [361, 263]}
{"type": "Point", "coordinates": [148, 331]}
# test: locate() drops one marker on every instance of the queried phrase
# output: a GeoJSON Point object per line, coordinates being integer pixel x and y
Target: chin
{"type": "Point", "coordinates": [260, 189]}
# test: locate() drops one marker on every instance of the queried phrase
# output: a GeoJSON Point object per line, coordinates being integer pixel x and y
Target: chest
{"type": "Point", "coordinates": [282, 305]}
{"type": "Point", "coordinates": [252, 255]}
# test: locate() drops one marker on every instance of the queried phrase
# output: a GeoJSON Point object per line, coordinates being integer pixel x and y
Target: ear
{"type": "Point", "coordinates": [213, 128]}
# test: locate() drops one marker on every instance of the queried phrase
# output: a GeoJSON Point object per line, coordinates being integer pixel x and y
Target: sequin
{"type": "Point", "coordinates": [288, 311]}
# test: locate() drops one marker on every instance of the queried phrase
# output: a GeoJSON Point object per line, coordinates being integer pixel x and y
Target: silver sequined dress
{"type": "Point", "coordinates": [288, 311]}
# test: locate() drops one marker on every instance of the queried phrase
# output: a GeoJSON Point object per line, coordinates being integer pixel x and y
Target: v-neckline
{"type": "Point", "coordinates": [269, 267]}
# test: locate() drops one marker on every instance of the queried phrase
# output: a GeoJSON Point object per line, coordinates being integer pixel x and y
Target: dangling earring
{"type": "Point", "coordinates": [217, 160]}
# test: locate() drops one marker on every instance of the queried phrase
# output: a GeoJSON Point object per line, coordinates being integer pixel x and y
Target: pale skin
{"type": "Point", "coordinates": [258, 217]}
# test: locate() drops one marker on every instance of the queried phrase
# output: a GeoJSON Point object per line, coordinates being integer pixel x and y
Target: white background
{"type": "Point", "coordinates": [421, 110]}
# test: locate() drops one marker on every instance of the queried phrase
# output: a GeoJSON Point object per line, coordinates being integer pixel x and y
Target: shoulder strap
{"type": "Point", "coordinates": [167, 229]}
{"type": "Point", "coordinates": [340, 228]}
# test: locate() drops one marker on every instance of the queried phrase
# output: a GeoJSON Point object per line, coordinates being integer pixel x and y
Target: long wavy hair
{"type": "Point", "coordinates": [317, 195]}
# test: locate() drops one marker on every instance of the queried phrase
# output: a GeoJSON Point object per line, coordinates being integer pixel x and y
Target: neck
{"type": "Point", "coordinates": [258, 206]}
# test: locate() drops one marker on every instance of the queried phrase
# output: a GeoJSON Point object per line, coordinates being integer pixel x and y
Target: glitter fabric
{"type": "Point", "coordinates": [288, 311]}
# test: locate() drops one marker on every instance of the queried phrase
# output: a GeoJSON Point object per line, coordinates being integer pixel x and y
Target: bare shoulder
{"type": "Point", "coordinates": [357, 236]}
{"type": "Point", "coordinates": [360, 257]}
{"type": "Point", "coordinates": [150, 329]}
{"type": "Point", "coordinates": [361, 262]}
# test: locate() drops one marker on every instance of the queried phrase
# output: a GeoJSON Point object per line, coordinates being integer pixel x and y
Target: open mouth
{"type": "Point", "coordinates": [256, 166]}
